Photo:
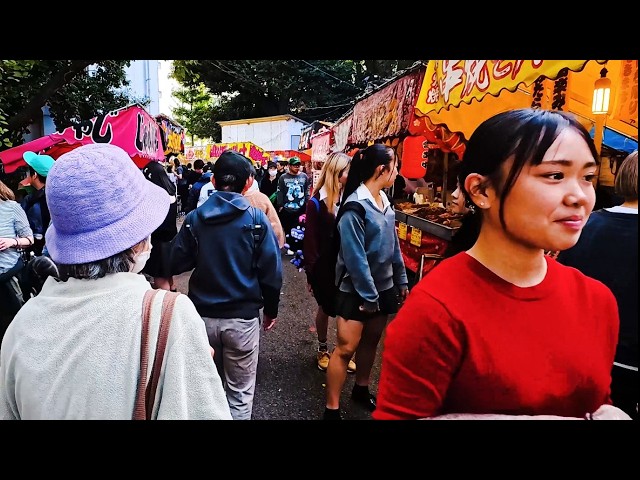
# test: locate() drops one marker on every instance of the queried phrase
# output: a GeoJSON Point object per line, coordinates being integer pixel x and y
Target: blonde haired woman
{"type": "Point", "coordinates": [321, 212]}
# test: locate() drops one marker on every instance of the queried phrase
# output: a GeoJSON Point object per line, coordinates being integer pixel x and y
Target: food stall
{"type": "Point", "coordinates": [457, 95]}
{"type": "Point", "coordinates": [385, 116]}
{"type": "Point", "coordinates": [172, 136]}
{"type": "Point", "coordinates": [132, 128]}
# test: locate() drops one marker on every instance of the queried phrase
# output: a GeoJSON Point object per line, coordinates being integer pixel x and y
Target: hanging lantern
{"type": "Point", "coordinates": [601, 94]}
{"type": "Point", "coordinates": [415, 153]}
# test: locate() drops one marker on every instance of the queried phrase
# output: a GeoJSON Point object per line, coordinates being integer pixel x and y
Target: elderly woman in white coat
{"type": "Point", "coordinates": [73, 351]}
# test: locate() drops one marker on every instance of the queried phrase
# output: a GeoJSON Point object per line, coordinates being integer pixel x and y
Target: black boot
{"type": "Point", "coordinates": [364, 397]}
{"type": "Point", "coordinates": [330, 414]}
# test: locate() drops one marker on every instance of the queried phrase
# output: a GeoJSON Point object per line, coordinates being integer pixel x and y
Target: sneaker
{"type": "Point", "coordinates": [323, 360]}
{"type": "Point", "coordinates": [290, 252]}
{"type": "Point", "coordinates": [351, 367]}
{"type": "Point", "coordinates": [364, 398]}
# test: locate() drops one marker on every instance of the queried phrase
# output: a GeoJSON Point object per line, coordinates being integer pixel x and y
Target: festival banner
{"type": "Point", "coordinates": [449, 83]}
{"type": "Point", "coordinates": [321, 146]}
{"type": "Point", "coordinates": [131, 128]}
{"type": "Point", "coordinates": [627, 110]}
{"type": "Point", "coordinates": [248, 149]}
{"type": "Point", "coordinates": [172, 135]}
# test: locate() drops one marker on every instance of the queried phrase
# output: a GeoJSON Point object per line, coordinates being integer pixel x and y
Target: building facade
{"type": "Point", "coordinates": [144, 86]}
{"type": "Point", "coordinates": [280, 132]}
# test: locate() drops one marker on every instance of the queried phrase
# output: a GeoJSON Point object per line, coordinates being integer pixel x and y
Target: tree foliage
{"type": "Point", "coordinates": [72, 91]}
{"type": "Point", "coordinates": [308, 89]}
{"type": "Point", "coordinates": [194, 112]}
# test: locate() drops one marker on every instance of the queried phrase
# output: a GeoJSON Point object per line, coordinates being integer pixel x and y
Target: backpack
{"type": "Point", "coordinates": [328, 258]}
{"type": "Point", "coordinates": [256, 229]}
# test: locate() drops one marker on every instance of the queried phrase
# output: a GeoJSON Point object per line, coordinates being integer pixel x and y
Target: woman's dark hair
{"type": "Point", "coordinates": [120, 262]}
{"type": "Point", "coordinates": [524, 134]}
{"type": "Point", "coordinates": [44, 267]}
{"type": "Point", "coordinates": [364, 164]}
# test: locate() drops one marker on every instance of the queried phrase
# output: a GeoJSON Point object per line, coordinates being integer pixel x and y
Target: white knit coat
{"type": "Point", "coordinates": [73, 352]}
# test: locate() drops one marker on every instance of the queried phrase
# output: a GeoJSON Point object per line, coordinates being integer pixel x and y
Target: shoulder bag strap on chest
{"type": "Point", "coordinates": [146, 391]}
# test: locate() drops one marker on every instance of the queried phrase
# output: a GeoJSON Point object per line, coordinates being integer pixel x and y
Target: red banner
{"type": "Point", "coordinates": [130, 128]}
{"type": "Point", "coordinates": [320, 146]}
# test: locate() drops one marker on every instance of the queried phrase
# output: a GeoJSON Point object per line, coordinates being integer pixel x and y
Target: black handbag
{"type": "Point", "coordinates": [13, 271]}
{"type": "Point", "coordinates": [10, 302]}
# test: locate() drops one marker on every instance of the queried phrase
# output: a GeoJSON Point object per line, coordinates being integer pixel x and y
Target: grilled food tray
{"type": "Point", "coordinates": [440, 231]}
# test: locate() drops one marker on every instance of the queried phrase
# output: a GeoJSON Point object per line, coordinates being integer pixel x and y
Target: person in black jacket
{"type": "Point", "coordinates": [194, 191]}
{"type": "Point", "coordinates": [608, 251]}
{"type": "Point", "coordinates": [158, 264]}
{"type": "Point", "coordinates": [269, 183]}
{"type": "Point", "coordinates": [35, 204]}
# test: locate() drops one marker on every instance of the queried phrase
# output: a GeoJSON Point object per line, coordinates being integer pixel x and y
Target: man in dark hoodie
{"type": "Point", "coordinates": [238, 271]}
{"type": "Point", "coordinates": [194, 192]}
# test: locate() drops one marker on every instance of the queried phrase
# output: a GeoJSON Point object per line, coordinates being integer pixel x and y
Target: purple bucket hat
{"type": "Point", "coordinates": [100, 204]}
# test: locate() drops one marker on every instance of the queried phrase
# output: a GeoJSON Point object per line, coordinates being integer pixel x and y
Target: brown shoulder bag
{"type": "Point", "coordinates": [146, 392]}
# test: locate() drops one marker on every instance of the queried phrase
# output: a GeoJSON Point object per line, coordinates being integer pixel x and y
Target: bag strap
{"type": "Point", "coordinates": [139, 411]}
{"type": "Point", "coordinates": [256, 232]}
{"type": "Point", "coordinates": [146, 392]}
{"type": "Point", "coordinates": [316, 202]}
{"type": "Point", "coordinates": [168, 303]}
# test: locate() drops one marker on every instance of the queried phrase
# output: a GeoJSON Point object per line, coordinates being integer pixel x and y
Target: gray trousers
{"type": "Point", "coordinates": [236, 341]}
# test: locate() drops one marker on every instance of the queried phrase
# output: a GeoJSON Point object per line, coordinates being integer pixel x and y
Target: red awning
{"type": "Point", "coordinates": [304, 157]}
{"type": "Point", "coordinates": [12, 158]}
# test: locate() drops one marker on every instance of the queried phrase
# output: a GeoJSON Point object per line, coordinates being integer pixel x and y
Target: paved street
{"type": "Point", "coordinates": [289, 384]}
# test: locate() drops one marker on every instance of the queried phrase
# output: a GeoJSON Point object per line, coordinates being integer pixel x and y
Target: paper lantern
{"type": "Point", "coordinates": [415, 151]}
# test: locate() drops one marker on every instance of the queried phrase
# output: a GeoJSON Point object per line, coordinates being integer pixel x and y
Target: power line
{"type": "Point", "coordinates": [329, 106]}
{"type": "Point", "coordinates": [328, 74]}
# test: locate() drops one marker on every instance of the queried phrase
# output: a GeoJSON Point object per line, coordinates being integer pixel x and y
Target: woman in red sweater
{"type": "Point", "coordinates": [501, 330]}
{"type": "Point", "coordinates": [319, 224]}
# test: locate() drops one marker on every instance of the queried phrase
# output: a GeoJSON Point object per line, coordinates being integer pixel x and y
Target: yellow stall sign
{"type": "Point", "coordinates": [416, 237]}
{"type": "Point", "coordinates": [402, 230]}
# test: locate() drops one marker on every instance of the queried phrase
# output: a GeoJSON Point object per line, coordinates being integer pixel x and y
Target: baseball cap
{"type": "Point", "coordinates": [231, 163]}
{"type": "Point", "coordinates": [294, 161]}
{"type": "Point", "coordinates": [40, 163]}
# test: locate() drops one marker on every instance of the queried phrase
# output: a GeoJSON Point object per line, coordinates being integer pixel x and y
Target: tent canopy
{"type": "Point", "coordinates": [617, 141]}
{"type": "Point", "coordinates": [132, 128]}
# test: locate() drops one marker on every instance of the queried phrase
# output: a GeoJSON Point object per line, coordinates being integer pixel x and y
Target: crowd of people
{"type": "Point", "coordinates": [498, 329]}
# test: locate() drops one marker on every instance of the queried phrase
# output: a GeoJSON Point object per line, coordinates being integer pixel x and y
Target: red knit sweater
{"type": "Point", "coordinates": [467, 341]}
